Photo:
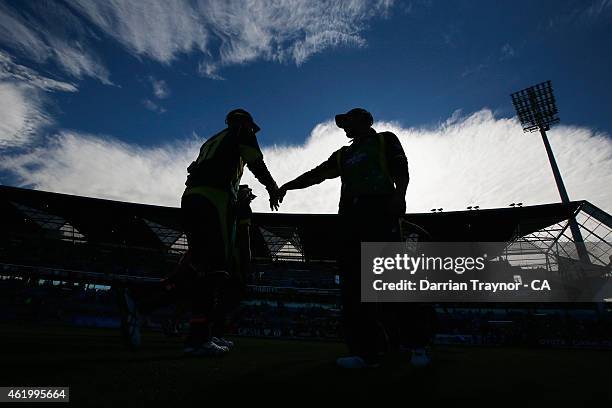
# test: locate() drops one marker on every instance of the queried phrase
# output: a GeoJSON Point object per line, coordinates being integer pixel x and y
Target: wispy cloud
{"type": "Point", "coordinates": [78, 62]}
{"type": "Point", "coordinates": [598, 8]}
{"type": "Point", "coordinates": [581, 14]}
{"type": "Point", "coordinates": [209, 70]}
{"type": "Point", "coordinates": [21, 114]}
{"type": "Point", "coordinates": [233, 32]}
{"type": "Point", "coordinates": [152, 106]}
{"type": "Point", "coordinates": [507, 52]}
{"type": "Point", "coordinates": [160, 88]}
{"type": "Point", "coordinates": [219, 33]}
{"type": "Point", "coordinates": [9, 70]}
{"type": "Point", "coordinates": [474, 69]}
{"type": "Point", "coordinates": [104, 167]}
{"type": "Point", "coordinates": [288, 30]}
{"type": "Point", "coordinates": [22, 100]}
{"type": "Point", "coordinates": [50, 32]}
{"type": "Point", "coordinates": [468, 160]}
{"type": "Point", "coordinates": [157, 29]}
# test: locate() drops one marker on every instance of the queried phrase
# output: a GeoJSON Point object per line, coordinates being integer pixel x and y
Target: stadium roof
{"type": "Point", "coordinates": [308, 236]}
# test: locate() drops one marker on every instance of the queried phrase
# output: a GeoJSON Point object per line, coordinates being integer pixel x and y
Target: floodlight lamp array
{"type": "Point", "coordinates": [536, 107]}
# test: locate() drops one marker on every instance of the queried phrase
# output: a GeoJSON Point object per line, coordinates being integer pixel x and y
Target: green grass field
{"type": "Point", "coordinates": [100, 371]}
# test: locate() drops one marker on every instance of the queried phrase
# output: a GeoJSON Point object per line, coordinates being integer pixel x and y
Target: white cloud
{"type": "Point", "coordinates": [220, 33]}
{"type": "Point", "coordinates": [160, 88]}
{"type": "Point", "coordinates": [22, 101]}
{"type": "Point", "coordinates": [240, 31]}
{"type": "Point", "coordinates": [287, 30]}
{"type": "Point", "coordinates": [9, 70]}
{"type": "Point", "coordinates": [473, 160]}
{"type": "Point", "coordinates": [152, 106]}
{"type": "Point", "coordinates": [209, 70]}
{"type": "Point", "coordinates": [104, 167]}
{"type": "Point", "coordinates": [51, 32]}
{"type": "Point", "coordinates": [15, 32]}
{"type": "Point", "coordinates": [157, 29]}
{"type": "Point", "coordinates": [21, 114]}
{"type": "Point", "coordinates": [78, 62]}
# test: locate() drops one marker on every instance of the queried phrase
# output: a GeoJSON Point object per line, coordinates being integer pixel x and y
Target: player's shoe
{"type": "Point", "coordinates": [420, 358]}
{"type": "Point", "coordinates": [130, 319]}
{"type": "Point", "coordinates": [354, 362]}
{"type": "Point", "coordinates": [208, 349]}
{"type": "Point", "coordinates": [220, 341]}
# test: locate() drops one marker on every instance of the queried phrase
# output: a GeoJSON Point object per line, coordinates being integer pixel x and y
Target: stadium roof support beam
{"type": "Point", "coordinates": [556, 241]}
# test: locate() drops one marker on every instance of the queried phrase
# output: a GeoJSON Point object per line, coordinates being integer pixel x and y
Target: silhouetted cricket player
{"type": "Point", "coordinates": [374, 174]}
{"type": "Point", "coordinates": [209, 214]}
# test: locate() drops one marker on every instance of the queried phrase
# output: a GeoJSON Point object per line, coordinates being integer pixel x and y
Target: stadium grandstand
{"type": "Point", "coordinates": [77, 248]}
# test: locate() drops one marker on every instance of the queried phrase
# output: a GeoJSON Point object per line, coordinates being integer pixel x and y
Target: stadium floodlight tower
{"type": "Point", "coordinates": [537, 110]}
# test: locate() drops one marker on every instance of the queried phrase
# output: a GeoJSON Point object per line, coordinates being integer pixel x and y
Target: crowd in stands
{"type": "Point", "coordinates": [319, 277]}
{"type": "Point", "coordinates": [38, 300]}
{"type": "Point", "coordinates": [277, 319]}
{"type": "Point", "coordinates": [562, 327]}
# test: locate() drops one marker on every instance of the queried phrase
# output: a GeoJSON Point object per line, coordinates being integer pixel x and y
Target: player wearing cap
{"type": "Point", "coordinates": [209, 216]}
{"type": "Point", "coordinates": [209, 212]}
{"type": "Point", "coordinates": [374, 174]}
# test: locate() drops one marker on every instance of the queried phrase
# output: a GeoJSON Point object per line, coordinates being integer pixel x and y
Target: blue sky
{"type": "Point", "coordinates": [153, 75]}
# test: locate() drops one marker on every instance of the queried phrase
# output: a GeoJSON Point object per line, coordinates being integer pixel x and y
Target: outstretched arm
{"type": "Point", "coordinates": [310, 178]}
{"type": "Point", "coordinates": [326, 170]}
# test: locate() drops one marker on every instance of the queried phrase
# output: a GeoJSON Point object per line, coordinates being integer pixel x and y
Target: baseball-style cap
{"type": "Point", "coordinates": [237, 113]}
{"type": "Point", "coordinates": [344, 119]}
